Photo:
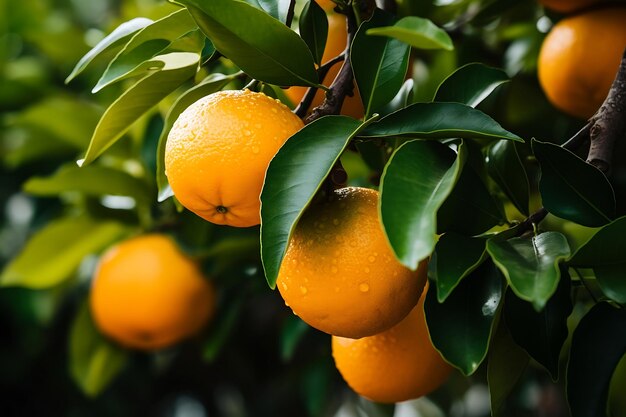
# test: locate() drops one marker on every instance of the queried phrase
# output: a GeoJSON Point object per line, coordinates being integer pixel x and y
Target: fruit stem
{"type": "Point", "coordinates": [290, 13]}
{"type": "Point", "coordinates": [322, 71]}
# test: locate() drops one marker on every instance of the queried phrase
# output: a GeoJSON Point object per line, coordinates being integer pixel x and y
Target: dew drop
{"type": "Point", "coordinates": [247, 132]}
{"type": "Point", "coordinates": [274, 111]}
{"type": "Point", "coordinates": [353, 243]}
{"type": "Point", "coordinates": [371, 258]}
{"type": "Point", "coordinates": [336, 222]}
{"type": "Point", "coordinates": [255, 150]}
{"type": "Point", "coordinates": [333, 269]}
{"type": "Point", "coordinates": [364, 287]}
{"type": "Point", "coordinates": [284, 287]}
{"type": "Point", "coordinates": [303, 290]}
{"type": "Point", "coordinates": [367, 270]}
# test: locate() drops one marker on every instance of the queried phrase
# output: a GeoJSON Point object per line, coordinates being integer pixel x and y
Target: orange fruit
{"type": "Point", "coordinates": [218, 151]}
{"type": "Point", "coordinates": [579, 59]}
{"type": "Point", "coordinates": [396, 365]}
{"type": "Point", "coordinates": [327, 5]}
{"type": "Point", "coordinates": [568, 6]}
{"type": "Point", "coordinates": [147, 294]}
{"type": "Point", "coordinates": [339, 273]}
{"type": "Point", "coordinates": [335, 44]}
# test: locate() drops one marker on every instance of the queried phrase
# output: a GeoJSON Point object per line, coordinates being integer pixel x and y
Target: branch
{"type": "Point", "coordinates": [290, 13]}
{"type": "Point", "coordinates": [322, 71]}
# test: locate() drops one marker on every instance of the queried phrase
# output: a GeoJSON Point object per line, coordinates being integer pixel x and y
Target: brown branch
{"type": "Point", "coordinates": [322, 71]}
{"type": "Point", "coordinates": [290, 13]}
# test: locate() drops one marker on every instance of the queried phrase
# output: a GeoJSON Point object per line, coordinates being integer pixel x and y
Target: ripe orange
{"type": "Point", "coordinates": [327, 5]}
{"type": "Point", "coordinates": [336, 43]}
{"type": "Point", "coordinates": [218, 151]}
{"type": "Point", "coordinates": [339, 273]}
{"type": "Point", "coordinates": [396, 365]}
{"type": "Point", "coordinates": [147, 294]}
{"type": "Point", "coordinates": [580, 57]}
{"type": "Point", "coordinates": [568, 6]}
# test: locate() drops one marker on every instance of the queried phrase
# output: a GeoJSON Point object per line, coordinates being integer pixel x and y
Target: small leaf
{"type": "Point", "coordinates": [461, 326]}
{"type": "Point", "coordinates": [506, 169]}
{"type": "Point", "coordinates": [531, 266]}
{"type": "Point", "coordinates": [314, 29]}
{"type": "Point", "coordinates": [418, 32]}
{"type": "Point", "coordinates": [54, 252]}
{"type": "Point", "coordinates": [379, 63]}
{"type": "Point", "coordinates": [470, 84]}
{"type": "Point", "coordinates": [94, 362]}
{"type": "Point", "coordinates": [418, 178]}
{"type": "Point", "coordinates": [439, 121]}
{"type": "Point", "coordinates": [573, 189]}
{"type": "Point", "coordinates": [115, 39]}
{"type": "Point", "coordinates": [292, 179]}
{"type": "Point", "coordinates": [175, 69]}
{"type": "Point", "coordinates": [598, 344]}
{"type": "Point", "coordinates": [260, 45]}
{"type": "Point", "coordinates": [455, 257]}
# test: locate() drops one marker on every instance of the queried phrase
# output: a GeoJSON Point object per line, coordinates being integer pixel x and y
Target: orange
{"type": "Point", "coordinates": [568, 6]}
{"type": "Point", "coordinates": [327, 5]}
{"type": "Point", "coordinates": [339, 273]}
{"type": "Point", "coordinates": [396, 365]}
{"type": "Point", "coordinates": [580, 57]}
{"type": "Point", "coordinates": [147, 294]}
{"type": "Point", "coordinates": [218, 151]}
{"type": "Point", "coordinates": [335, 44]}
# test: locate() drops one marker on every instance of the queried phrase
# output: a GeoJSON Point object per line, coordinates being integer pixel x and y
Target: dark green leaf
{"type": "Point", "coordinates": [292, 333]}
{"type": "Point", "coordinates": [573, 189]}
{"type": "Point", "coordinates": [260, 45]}
{"type": "Point", "coordinates": [470, 84]}
{"type": "Point", "coordinates": [401, 100]}
{"type": "Point", "coordinates": [314, 29]}
{"type": "Point", "coordinates": [598, 344]}
{"type": "Point", "coordinates": [461, 326]}
{"type": "Point", "coordinates": [505, 167]}
{"type": "Point", "coordinates": [543, 333]}
{"type": "Point", "coordinates": [228, 315]}
{"type": "Point", "coordinates": [439, 121]}
{"type": "Point", "coordinates": [292, 179]}
{"type": "Point", "coordinates": [531, 266]}
{"type": "Point", "coordinates": [418, 32]}
{"type": "Point", "coordinates": [379, 63]}
{"type": "Point", "coordinates": [418, 178]}
{"type": "Point", "coordinates": [455, 257]}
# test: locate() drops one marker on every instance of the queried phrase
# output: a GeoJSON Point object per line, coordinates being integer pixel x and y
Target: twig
{"type": "Point", "coordinates": [252, 85]}
{"type": "Point", "coordinates": [290, 13]}
{"type": "Point", "coordinates": [579, 139]}
{"type": "Point", "coordinates": [531, 221]}
{"type": "Point", "coordinates": [582, 280]}
{"type": "Point", "coordinates": [322, 71]}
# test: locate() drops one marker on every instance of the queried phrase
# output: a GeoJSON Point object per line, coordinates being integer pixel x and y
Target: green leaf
{"type": "Point", "coordinates": [292, 333]}
{"type": "Point", "coordinates": [115, 39]}
{"type": "Point", "coordinates": [461, 326]}
{"type": "Point", "coordinates": [470, 84]}
{"type": "Point", "coordinates": [418, 32]}
{"type": "Point", "coordinates": [379, 63]}
{"type": "Point", "coordinates": [573, 189]}
{"type": "Point", "coordinates": [175, 69]}
{"type": "Point", "coordinates": [439, 121]}
{"type": "Point", "coordinates": [93, 180]}
{"type": "Point", "coordinates": [604, 252]}
{"type": "Point", "coordinates": [227, 318]}
{"type": "Point", "coordinates": [94, 362]}
{"type": "Point", "coordinates": [314, 29]}
{"type": "Point", "coordinates": [260, 45]}
{"type": "Point", "coordinates": [147, 43]}
{"type": "Point", "coordinates": [211, 84]}
{"type": "Point", "coordinates": [506, 365]}
{"type": "Point", "coordinates": [506, 168]}
{"type": "Point", "coordinates": [543, 333]}
{"type": "Point", "coordinates": [455, 257]}
{"type": "Point", "coordinates": [598, 344]}
{"type": "Point", "coordinates": [401, 100]}
{"type": "Point", "coordinates": [54, 252]}
{"type": "Point", "coordinates": [292, 179]}
{"type": "Point", "coordinates": [531, 266]}
{"type": "Point", "coordinates": [418, 178]}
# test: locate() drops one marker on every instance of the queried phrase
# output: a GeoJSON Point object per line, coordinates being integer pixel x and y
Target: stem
{"type": "Point", "coordinates": [290, 13]}
{"type": "Point", "coordinates": [252, 85]}
{"type": "Point", "coordinates": [531, 221]}
{"type": "Point", "coordinates": [322, 71]}
{"type": "Point", "coordinates": [584, 282]}
{"type": "Point", "coordinates": [579, 139]}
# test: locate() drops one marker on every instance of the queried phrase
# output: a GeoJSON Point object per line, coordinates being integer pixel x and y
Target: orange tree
{"type": "Point", "coordinates": [522, 239]}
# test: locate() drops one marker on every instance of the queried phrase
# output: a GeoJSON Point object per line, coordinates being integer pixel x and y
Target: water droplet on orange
{"type": "Point", "coordinates": [363, 287]}
{"type": "Point", "coordinates": [303, 290]}
{"type": "Point", "coordinates": [371, 258]}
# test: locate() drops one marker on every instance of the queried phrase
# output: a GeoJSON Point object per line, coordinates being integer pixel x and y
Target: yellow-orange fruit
{"type": "Point", "coordinates": [569, 6]}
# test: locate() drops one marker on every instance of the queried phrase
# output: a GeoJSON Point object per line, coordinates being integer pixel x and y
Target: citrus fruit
{"type": "Point", "coordinates": [147, 294]}
{"type": "Point", "coordinates": [218, 151]}
{"type": "Point", "coordinates": [327, 5]}
{"type": "Point", "coordinates": [568, 6]}
{"type": "Point", "coordinates": [339, 273]}
{"type": "Point", "coordinates": [579, 59]}
{"type": "Point", "coordinates": [335, 44]}
{"type": "Point", "coordinates": [396, 365]}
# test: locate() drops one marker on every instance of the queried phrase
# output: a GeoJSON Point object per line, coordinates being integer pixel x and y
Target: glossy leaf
{"type": "Point", "coordinates": [573, 189]}
{"type": "Point", "coordinates": [175, 68]}
{"type": "Point", "coordinates": [260, 45]}
{"type": "Point", "coordinates": [292, 179]}
{"type": "Point", "coordinates": [470, 84]}
{"type": "Point", "coordinates": [461, 326]}
{"type": "Point", "coordinates": [598, 344]}
{"type": "Point", "coordinates": [94, 361]}
{"type": "Point", "coordinates": [314, 29]}
{"type": "Point", "coordinates": [112, 41]}
{"type": "Point", "coordinates": [418, 178]}
{"type": "Point", "coordinates": [54, 252]}
{"type": "Point", "coordinates": [542, 334]}
{"type": "Point", "coordinates": [455, 257]}
{"type": "Point", "coordinates": [417, 32]}
{"type": "Point", "coordinates": [531, 266]}
{"type": "Point", "coordinates": [506, 168]}
{"type": "Point", "coordinates": [439, 121]}
{"type": "Point", "coordinates": [379, 63]}
{"type": "Point", "coordinates": [401, 100]}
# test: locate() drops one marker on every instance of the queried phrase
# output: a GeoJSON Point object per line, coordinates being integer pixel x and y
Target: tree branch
{"type": "Point", "coordinates": [322, 71]}
{"type": "Point", "coordinates": [290, 13]}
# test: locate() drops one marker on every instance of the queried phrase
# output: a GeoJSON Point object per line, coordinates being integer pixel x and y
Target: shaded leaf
{"type": "Point", "coordinates": [228, 314]}
{"type": "Point", "coordinates": [401, 100]}
{"type": "Point", "coordinates": [314, 29]}
{"type": "Point", "coordinates": [506, 168]}
{"type": "Point", "coordinates": [292, 333]}
{"type": "Point", "coordinates": [417, 32]}
{"type": "Point", "coordinates": [470, 84]}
